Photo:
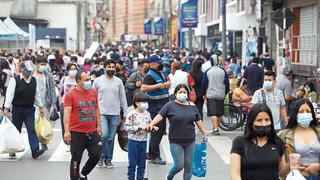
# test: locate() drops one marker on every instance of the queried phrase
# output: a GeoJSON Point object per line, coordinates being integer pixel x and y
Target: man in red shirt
{"type": "Point", "coordinates": [82, 126]}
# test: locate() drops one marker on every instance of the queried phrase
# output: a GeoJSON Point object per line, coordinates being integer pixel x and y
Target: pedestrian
{"type": "Point", "coordinates": [215, 85]}
{"type": "Point", "coordinates": [310, 90]}
{"type": "Point", "coordinates": [134, 82]}
{"type": "Point", "coordinates": [120, 72]}
{"type": "Point", "coordinates": [46, 88]}
{"type": "Point", "coordinates": [67, 83]}
{"type": "Point", "coordinates": [197, 76]}
{"type": "Point", "coordinates": [259, 152]}
{"type": "Point", "coordinates": [301, 136]}
{"type": "Point", "coordinates": [285, 85]}
{"type": "Point", "coordinates": [82, 126]}
{"type": "Point", "coordinates": [22, 94]}
{"type": "Point", "coordinates": [274, 99]}
{"type": "Point", "coordinates": [136, 124]}
{"type": "Point", "coordinates": [254, 74]}
{"type": "Point", "coordinates": [176, 77]}
{"type": "Point", "coordinates": [182, 115]}
{"type": "Point", "coordinates": [156, 86]}
{"type": "Point", "coordinates": [112, 98]}
{"type": "Point", "coordinates": [239, 98]}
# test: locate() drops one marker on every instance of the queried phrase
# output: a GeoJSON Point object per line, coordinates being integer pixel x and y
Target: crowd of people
{"type": "Point", "coordinates": [93, 97]}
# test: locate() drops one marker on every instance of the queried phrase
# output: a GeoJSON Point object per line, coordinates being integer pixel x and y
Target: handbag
{"type": "Point", "coordinates": [192, 95]}
{"type": "Point", "coordinates": [54, 115]}
{"type": "Point", "coordinates": [199, 163]}
{"type": "Point", "coordinates": [123, 137]}
{"type": "Point", "coordinates": [43, 130]}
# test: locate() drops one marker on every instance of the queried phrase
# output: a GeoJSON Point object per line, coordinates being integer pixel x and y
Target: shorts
{"type": "Point", "coordinates": [215, 107]}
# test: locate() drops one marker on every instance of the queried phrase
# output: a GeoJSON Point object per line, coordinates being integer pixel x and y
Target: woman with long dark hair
{"type": "Point", "coordinates": [259, 152]}
{"type": "Point", "coordinates": [197, 75]}
{"type": "Point", "coordinates": [302, 136]}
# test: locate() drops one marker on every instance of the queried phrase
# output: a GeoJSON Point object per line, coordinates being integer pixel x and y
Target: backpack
{"type": "Point", "coordinates": [3, 79]}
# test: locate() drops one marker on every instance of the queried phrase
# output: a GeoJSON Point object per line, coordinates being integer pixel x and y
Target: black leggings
{"type": "Point", "coordinates": [80, 142]}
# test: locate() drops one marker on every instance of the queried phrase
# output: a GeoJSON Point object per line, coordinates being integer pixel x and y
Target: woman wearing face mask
{"type": "Point", "coordinates": [182, 115]}
{"type": "Point", "coordinates": [301, 136]}
{"type": "Point", "coordinates": [259, 152]}
{"type": "Point", "coordinates": [67, 83]}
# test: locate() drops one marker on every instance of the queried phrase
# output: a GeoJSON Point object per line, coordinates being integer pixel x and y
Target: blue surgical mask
{"type": "Point", "coordinates": [182, 97]}
{"type": "Point", "coordinates": [144, 106]}
{"type": "Point", "coordinates": [42, 68]}
{"type": "Point", "coordinates": [304, 119]}
{"type": "Point", "coordinates": [27, 73]}
{"type": "Point", "coordinates": [87, 85]}
{"type": "Point", "coordinates": [72, 73]}
{"type": "Point", "coordinates": [267, 85]}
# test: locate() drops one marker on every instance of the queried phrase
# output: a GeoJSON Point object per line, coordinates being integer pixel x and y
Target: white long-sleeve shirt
{"type": "Point", "coordinates": [12, 89]}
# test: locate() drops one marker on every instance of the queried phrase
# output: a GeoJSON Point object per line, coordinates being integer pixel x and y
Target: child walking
{"type": "Point", "coordinates": [136, 123]}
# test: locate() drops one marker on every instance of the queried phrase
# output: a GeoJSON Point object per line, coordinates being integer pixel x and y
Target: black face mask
{"type": "Point", "coordinates": [110, 72]}
{"type": "Point", "coordinates": [117, 69]}
{"type": "Point", "coordinates": [262, 131]}
{"type": "Point", "coordinates": [160, 67]}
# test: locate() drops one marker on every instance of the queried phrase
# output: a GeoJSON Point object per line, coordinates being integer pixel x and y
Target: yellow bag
{"type": "Point", "coordinates": [43, 130]}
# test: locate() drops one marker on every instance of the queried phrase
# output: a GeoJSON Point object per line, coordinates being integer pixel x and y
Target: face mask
{"type": "Point", "coordinates": [27, 73]}
{"type": "Point", "coordinates": [304, 119]}
{"type": "Point", "coordinates": [144, 106]}
{"type": "Point", "coordinates": [72, 73]}
{"type": "Point", "coordinates": [110, 72]}
{"type": "Point", "coordinates": [117, 69]}
{"type": "Point", "coordinates": [182, 97]}
{"type": "Point", "coordinates": [160, 67]}
{"type": "Point", "coordinates": [262, 131]}
{"type": "Point", "coordinates": [267, 85]}
{"type": "Point", "coordinates": [146, 70]}
{"type": "Point", "coordinates": [101, 66]}
{"type": "Point", "coordinates": [42, 68]}
{"type": "Point", "coordinates": [87, 85]}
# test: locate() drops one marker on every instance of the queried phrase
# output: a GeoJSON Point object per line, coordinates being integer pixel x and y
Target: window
{"type": "Point", "coordinates": [240, 6]}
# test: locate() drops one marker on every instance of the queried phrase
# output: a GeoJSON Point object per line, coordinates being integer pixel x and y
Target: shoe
{"type": "Point", "coordinates": [100, 162]}
{"type": "Point", "coordinates": [37, 153]}
{"type": "Point", "coordinates": [158, 161]}
{"type": "Point", "coordinates": [44, 147]}
{"type": "Point", "coordinates": [83, 178]}
{"type": "Point", "coordinates": [12, 155]}
{"type": "Point", "coordinates": [108, 164]}
{"type": "Point", "coordinates": [215, 132]}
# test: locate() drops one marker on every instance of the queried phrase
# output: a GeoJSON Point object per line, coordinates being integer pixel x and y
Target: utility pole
{"type": "Point", "coordinates": [224, 29]}
{"type": "Point", "coordinates": [170, 25]}
{"type": "Point", "coordinates": [318, 49]}
{"type": "Point", "coordinates": [180, 24]}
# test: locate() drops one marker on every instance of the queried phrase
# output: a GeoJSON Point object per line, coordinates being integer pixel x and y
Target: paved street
{"type": "Point", "coordinates": [54, 164]}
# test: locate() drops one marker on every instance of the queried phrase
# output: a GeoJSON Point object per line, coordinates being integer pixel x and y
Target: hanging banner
{"type": "Point", "coordinates": [32, 37]}
{"type": "Point", "coordinates": [158, 26]}
{"type": "Point", "coordinates": [147, 26]}
{"type": "Point", "coordinates": [174, 30]}
{"type": "Point", "coordinates": [189, 14]}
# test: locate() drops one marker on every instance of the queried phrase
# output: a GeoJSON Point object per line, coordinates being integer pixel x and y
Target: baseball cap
{"type": "Point", "coordinates": [154, 58]}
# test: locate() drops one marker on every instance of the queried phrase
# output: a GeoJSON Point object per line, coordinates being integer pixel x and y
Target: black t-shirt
{"type": "Point", "coordinates": [268, 63]}
{"type": "Point", "coordinates": [260, 163]}
{"type": "Point", "coordinates": [181, 118]}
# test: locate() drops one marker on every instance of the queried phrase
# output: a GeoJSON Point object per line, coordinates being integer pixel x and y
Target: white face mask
{"type": "Point", "coordinates": [144, 106]}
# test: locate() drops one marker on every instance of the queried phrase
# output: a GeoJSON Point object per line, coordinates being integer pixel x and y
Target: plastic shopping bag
{"type": "Point", "coordinates": [43, 130]}
{"type": "Point", "coordinates": [199, 164]}
{"type": "Point", "coordinates": [11, 141]}
{"type": "Point", "coordinates": [295, 175]}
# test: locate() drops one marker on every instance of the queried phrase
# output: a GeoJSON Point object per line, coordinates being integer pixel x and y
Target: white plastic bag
{"type": "Point", "coordinates": [11, 141]}
{"type": "Point", "coordinates": [295, 175]}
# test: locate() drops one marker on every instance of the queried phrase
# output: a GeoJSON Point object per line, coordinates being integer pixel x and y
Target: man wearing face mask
{"type": "Point", "coordinates": [157, 88]}
{"type": "Point", "coordinates": [22, 94]}
{"type": "Point", "coordinates": [46, 88]}
{"type": "Point", "coordinates": [112, 98]}
{"type": "Point", "coordinates": [82, 126]}
{"type": "Point", "coordinates": [134, 82]}
{"type": "Point", "coordinates": [274, 99]}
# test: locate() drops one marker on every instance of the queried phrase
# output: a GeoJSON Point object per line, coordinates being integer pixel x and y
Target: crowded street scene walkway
{"type": "Point", "coordinates": [159, 89]}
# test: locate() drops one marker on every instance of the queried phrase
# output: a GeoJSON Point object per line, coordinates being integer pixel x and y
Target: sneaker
{"type": "Point", "coordinates": [12, 155]}
{"type": "Point", "coordinates": [83, 178]}
{"type": "Point", "coordinates": [100, 163]}
{"type": "Point", "coordinates": [37, 153]}
{"type": "Point", "coordinates": [215, 132]}
{"type": "Point", "coordinates": [158, 161]}
{"type": "Point", "coordinates": [108, 164]}
{"type": "Point", "coordinates": [44, 147]}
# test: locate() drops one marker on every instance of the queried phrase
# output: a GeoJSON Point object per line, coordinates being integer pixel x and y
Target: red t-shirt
{"type": "Point", "coordinates": [83, 110]}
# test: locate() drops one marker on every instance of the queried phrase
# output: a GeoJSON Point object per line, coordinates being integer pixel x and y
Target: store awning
{"type": "Point", "coordinates": [13, 27]}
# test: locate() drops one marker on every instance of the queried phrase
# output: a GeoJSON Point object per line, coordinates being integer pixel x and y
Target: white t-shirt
{"type": "Point", "coordinates": [274, 101]}
{"type": "Point", "coordinates": [179, 77]}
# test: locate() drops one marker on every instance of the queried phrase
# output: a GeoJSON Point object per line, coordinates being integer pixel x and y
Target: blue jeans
{"type": "Point", "coordinates": [182, 155]}
{"type": "Point", "coordinates": [25, 115]}
{"type": "Point", "coordinates": [137, 158]}
{"type": "Point", "coordinates": [312, 178]}
{"type": "Point", "coordinates": [109, 126]}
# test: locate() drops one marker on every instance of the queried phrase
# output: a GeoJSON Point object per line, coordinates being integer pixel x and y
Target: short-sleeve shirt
{"type": "Point", "coordinates": [260, 163]}
{"type": "Point", "coordinates": [83, 110]}
{"type": "Point", "coordinates": [274, 101]}
{"type": "Point", "coordinates": [181, 118]}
